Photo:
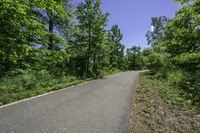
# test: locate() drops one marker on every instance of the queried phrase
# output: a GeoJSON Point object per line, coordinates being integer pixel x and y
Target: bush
{"type": "Point", "coordinates": [44, 78]}
{"type": "Point", "coordinates": [157, 62]}
{"type": "Point", "coordinates": [191, 85]}
{"type": "Point", "coordinates": [27, 81]}
{"type": "Point", "coordinates": [175, 77]}
{"type": "Point", "coordinates": [31, 83]}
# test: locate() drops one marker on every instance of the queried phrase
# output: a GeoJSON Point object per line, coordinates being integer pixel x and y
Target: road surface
{"type": "Point", "coordinates": [99, 106]}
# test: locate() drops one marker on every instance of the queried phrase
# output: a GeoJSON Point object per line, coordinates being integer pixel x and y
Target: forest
{"type": "Point", "coordinates": [46, 45]}
{"type": "Point", "coordinates": [49, 44]}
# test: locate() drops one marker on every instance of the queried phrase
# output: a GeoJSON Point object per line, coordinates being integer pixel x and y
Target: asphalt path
{"type": "Point", "coordinates": [98, 106]}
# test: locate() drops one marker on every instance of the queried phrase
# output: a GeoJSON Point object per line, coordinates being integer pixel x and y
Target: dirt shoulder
{"type": "Point", "coordinates": [159, 109]}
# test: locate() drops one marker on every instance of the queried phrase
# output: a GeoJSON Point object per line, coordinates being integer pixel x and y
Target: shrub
{"type": "Point", "coordinates": [175, 77]}
{"type": "Point", "coordinates": [191, 85]}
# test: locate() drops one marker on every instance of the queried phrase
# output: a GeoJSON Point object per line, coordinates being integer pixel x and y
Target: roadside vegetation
{"type": "Point", "coordinates": [167, 98]}
{"type": "Point", "coordinates": [158, 107]}
{"type": "Point", "coordinates": [174, 52]}
{"type": "Point", "coordinates": [38, 82]}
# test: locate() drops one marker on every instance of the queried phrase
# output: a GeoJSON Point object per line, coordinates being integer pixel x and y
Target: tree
{"type": "Point", "coordinates": [17, 25]}
{"type": "Point", "coordinates": [24, 24]}
{"type": "Point", "coordinates": [90, 34]}
{"type": "Point", "coordinates": [133, 55]}
{"type": "Point", "coordinates": [182, 43]}
{"type": "Point", "coordinates": [116, 49]}
{"type": "Point", "coordinates": [55, 14]}
{"type": "Point", "coordinates": [182, 37]}
{"type": "Point", "coordinates": [156, 34]}
{"type": "Point", "coordinates": [183, 1]}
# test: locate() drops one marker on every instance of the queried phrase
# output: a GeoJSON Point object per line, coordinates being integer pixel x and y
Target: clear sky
{"type": "Point", "coordinates": [134, 17]}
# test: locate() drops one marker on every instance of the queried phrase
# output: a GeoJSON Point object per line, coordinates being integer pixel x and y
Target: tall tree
{"type": "Point", "coordinates": [182, 37]}
{"type": "Point", "coordinates": [157, 26]}
{"type": "Point", "coordinates": [116, 52]}
{"type": "Point", "coordinates": [90, 34]}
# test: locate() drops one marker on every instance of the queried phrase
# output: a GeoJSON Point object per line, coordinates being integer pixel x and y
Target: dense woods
{"type": "Point", "coordinates": [174, 53]}
{"type": "Point", "coordinates": [50, 42]}
{"type": "Point", "coordinates": [55, 36]}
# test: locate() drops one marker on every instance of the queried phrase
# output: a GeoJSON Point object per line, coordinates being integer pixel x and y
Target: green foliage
{"type": "Point", "coordinates": [134, 58]}
{"type": "Point", "coordinates": [115, 48]}
{"type": "Point", "coordinates": [174, 96]}
{"type": "Point", "coordinates": [156, 34]}
{"type": "Point", "coordinates": [157, 62]}
{"type": "Point", "coordinates": [182, 43]}
{"type": "Point", "coordinates": [183, 1]}
{"type": "Point", "coordinates": [32, 83]}
{"type": "Point", "coordinates": [175, 77]}
{"type": "Point", "coordinates": [108, 71]}
{"type": "Point", "coordinates": [175, 57]}
{"type": "Point", "coordinates": [191, 85]}
{"type": "Point", "coordinates": [14, 20]}
{"type": "Point", "coordinates": [89, 36]}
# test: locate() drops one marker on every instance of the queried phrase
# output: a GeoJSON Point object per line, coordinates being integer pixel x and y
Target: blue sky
{"type": "Point", "coordinates": [134, 17]}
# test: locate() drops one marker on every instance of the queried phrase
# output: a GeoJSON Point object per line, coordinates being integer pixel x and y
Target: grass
{"type": "Point", "coordinates": [32, 83]}
{"type": "Point", "coordinates": [158, 107]}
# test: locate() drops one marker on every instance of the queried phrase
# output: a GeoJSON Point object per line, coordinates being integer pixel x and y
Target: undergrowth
{"type": "Point", "coordinates": [32, 83]}
{"type": "Point", "coordinates": [159, 107]}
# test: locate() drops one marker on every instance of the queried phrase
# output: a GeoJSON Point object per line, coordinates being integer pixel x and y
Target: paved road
{"type": "Point", "coordinates": [100, 106]}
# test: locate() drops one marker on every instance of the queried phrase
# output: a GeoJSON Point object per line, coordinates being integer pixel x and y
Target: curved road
{"type": "Point", "coordinates": [98, 106]}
